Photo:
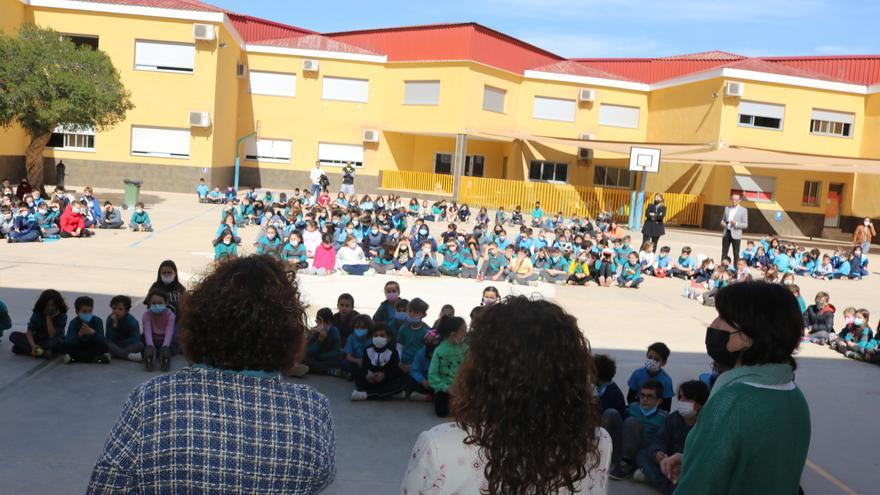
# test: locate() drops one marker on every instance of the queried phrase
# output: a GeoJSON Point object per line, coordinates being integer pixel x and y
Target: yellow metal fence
{"type": "Point", "coordinates": [681, 209]}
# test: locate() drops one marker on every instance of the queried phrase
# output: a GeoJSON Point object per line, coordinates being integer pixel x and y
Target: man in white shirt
{"type": "Point", "coordinates": [315, 176]}
{"type": "Point", "coordinates": [733, 222]}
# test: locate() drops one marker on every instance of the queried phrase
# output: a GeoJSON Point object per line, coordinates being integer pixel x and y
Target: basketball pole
{"type": "Point", "coordinates": [639, 202]}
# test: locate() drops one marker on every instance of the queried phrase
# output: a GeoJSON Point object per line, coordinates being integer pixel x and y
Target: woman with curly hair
{"type": "Point", "coordinates": [526, 420]}
{"type": "Point", "coordinates": [229, 423]}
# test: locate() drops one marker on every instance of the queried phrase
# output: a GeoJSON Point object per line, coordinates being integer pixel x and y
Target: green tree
{"type": "Point", "coordinates": [46, 80]}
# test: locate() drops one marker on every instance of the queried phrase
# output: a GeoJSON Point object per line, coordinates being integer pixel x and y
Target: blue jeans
{"type": "Point", "coordinates": [648, 464]}
{"type": "Point", "coordinates": [316, 189]}
{"type": "Point", "coordinates": [356, 269]}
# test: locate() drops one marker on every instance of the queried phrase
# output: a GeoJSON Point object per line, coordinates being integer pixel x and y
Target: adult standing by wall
{"type": "Point", "coordinates": [315, 176]}
{"type": "Point", "coordinates": [60, 170]}
{"type": "Point", "coordinates": [734, 221]}
{"type": "Point", "coordinates": [754, 432]}
{"type": "Point", "coordinates": [347, 180]}
{"type": "Point", "coordinates": [863, 235]}
{"type": "Point", "coordinates": [654, 227]}
{"type": "Point", "coordinates": [229, 423]}
{"type": "Point", "coordinates": [525, 411]}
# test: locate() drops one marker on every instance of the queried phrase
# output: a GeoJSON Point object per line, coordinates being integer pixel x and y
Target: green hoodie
{"type": "Point", "coordinates": [444, 365]}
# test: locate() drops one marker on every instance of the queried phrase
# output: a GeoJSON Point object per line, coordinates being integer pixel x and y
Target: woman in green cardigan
{"type": "Point", "coordinates": [754, 432]}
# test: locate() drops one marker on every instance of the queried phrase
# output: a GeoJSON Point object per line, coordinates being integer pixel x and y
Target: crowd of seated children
{"type": "Point", "coordinates": [787, 257]}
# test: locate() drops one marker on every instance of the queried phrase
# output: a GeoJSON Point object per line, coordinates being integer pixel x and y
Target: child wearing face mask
{"type": "Point", "coordinates": [343, 318]}
{"type": "Point", "coordinates": [324, 262]}
{"type": "Point", "coordinates": [410, 335]}
{"type": "Point", "coordinates": [47, 218]}
{"type": "Point", "coordinates": [45, 329]}
{"type": "Point", "coordinates": [656, 358]}
{"type": "Point", "coordinates": [494, 265]}
{"type": "Point", "coordinates": [324, 354]}
{"type": "Point", "coordinates": [356, 344]}
{"type": "Point", "coordinates": [84, 341]}
{"type": "Point", "coordinates": [446, 360]}
{"type": "Point", "coordinates": [311, 237]}
{"type": "Point", "coordinates": [168, 283]}
{"type": "Point", "coordinates": [819, 324]}
{"type": "Point", "coordinates": [111, 218]}
{"type": "Point", "coordinates": [73, 221]}
{"type": "Point", "coordinates": [857, 264]}
{"type": "Point", "coordinates": [671, 436]}
{"type": "Point", "coordinates": [158, 324]}
{"type": "Point", "coordinates": [631, 272]}
{"type": "Point", "coordinates": [638, 430]}
{"type": "Point", "coordinates": [25, 227]}
{"type": "Point", "coordinates": [386, 313]}
{"type": "Point", "coordinates": [418, 389]}
{"type": "Point", "coordinates": [351, 259]}
{"type": "Point", "coordinates": [140, 219]}
{"type": "Point", "coordinates": [451, 265]}
{"type": "Point", "coordinates": [425, 263]}
{"type": "Point", "coordinates": [123, 331]}
{"type": "Point", "coordinates": [224, 248]}
{"type": "Point", "coordinates": [490, 296]}
{"type": "Point", "coordinates": [294, 252]}
{"type": "Point", "coordinates": [380, 376]}
{"type": "Point", "coordinates": [269, 243]}
{"type": "Point", "coordinates": [579, 270]}
{"type": "Point", "coordinates": [855, 336]}
{"type": "Point", "coordinates": [605, 268]}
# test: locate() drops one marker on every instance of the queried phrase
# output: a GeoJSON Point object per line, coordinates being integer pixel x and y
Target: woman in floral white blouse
{"type": "Point", "coordinates": [525, 415]}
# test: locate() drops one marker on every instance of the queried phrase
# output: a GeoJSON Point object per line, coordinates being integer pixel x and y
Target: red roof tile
{"type": "Point", "coordinates": [254, 29]}
{"type": "Point", "coordinates": [576, 69]}
{"type": "Point", "coordinates": [315, 42]}
{"type": "Point", "coordinates": [759, 65]}
{"type": "Point", "coordinates": [443, 42]}
{"type": "Point", "coordinates": [855, 69]}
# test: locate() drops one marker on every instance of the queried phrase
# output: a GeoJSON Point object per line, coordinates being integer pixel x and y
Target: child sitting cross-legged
{"type": "Point", "coordinates": [638, 430]}
{"type": "Point", "coordinates": [692, 396]}
{"type": "Point", "coordinates": [425, 263]}
{"type": "Point", "coordinates": [45, 330]}
{"type": "Point", "coordinates": [123, 332]}
{"type": "Point", "coordinates": [324, 348]}
{"type": "Point", "coordinates": [657, 356]}
{"type": "Point", "coordinates": [324, 262]}
{"type": "Point", "coordinates": [356, 344]}
{"type": "Point", "coordinates": [351, 259]}
{"type": "Point", "coordinates": [419, 389]}
{"type": "Point", "coordinates": [631, 272]}
{"type": "Point", "coordinates": [84, 341]}
{"type": "Point", "coordinates": [380, 376]}
{"type": "Point", "coordinates": [111, 217]}
{"type": "Point", "coordinates": [140, 219]}
{"type": "Point", "coordinates": [224, 247]}
{"type": "Point", "coordinates": [269, 243]}
{"type": "Point", "coordinates": [410, 335]}
{"type": "Point", "coordinates": [446, 360]}
{"type": "Point", "coordinates": [855, 336]}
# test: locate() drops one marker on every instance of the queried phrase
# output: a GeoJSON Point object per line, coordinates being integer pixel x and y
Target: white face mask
{"type": "Point", "coordinates": [685, 408]}
{"type": "Point", "coordinates": [167, 279]}
{"type": "Point", "coordinates": [652, 365]}
{"type": "Point", "coordinates": [380, 342]}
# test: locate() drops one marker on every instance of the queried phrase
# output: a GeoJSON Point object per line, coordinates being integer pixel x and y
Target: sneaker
{"type": "Point", "coordinates": [640, 476]}
{"type": "Point", "coordinates": [166, 364]}
{"type": "Point", "coordinates": [399, 396]}
{"type": "Point", "coordinates": [150, 358]}
{"type": "Point", "coordinates": [298, 370]}
{"type": "Point", "coordinates": [339, 373]}
{"type": "Point", "coordinates": [622, 471]}
{"type": "Point", "coordinates": [358, 395]}
{"type": "Point", "coordinates": [135, 357]}
{"type": "Point", "coordinates": [418, 397]}
{"type": "Point", "coordinates": [104, 358]}
{"type": "Point", "coordinates": [68, 359]}
{"type": "Point", "coordinates": [39, 351]}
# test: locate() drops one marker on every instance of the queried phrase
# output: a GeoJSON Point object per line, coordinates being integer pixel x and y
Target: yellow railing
{"type": "Point", "coordinates": [416, 181]}
{"type": "Point", "coordinates": [681, 209]}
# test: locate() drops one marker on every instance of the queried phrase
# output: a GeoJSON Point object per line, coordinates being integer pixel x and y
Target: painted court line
{"type": "Point", "coordinates": [831, 479]}
{"type": "Point", "coordinates": [154, 234]}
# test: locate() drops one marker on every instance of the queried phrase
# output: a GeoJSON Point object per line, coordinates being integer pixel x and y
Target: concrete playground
{"type": "Point", "coordinates": [55, 418]}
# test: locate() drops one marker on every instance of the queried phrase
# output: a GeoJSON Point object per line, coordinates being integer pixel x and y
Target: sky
{"type": "Point", "coordinates": [612, 28]}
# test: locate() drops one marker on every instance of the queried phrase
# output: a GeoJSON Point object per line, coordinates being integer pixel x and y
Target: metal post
{"type": "Point", "coordinates": [640, 203]}
{"type": "Point", "coordinates": [458, 164]}
{"type": "Point", "coordinates": [238, 158]}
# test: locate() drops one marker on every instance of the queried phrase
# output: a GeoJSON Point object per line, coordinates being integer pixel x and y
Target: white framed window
{"type": "Point", "coordinates": [830, 123]}
{"type": "Point", "coordinates": [755, 188]}
{"type": "Point", "coordinates": [337, 155]}
{"type": "Point", "coordinates": [443, 163]}
{"type": "Point", "coordinates": [619, 116]}
{"type": "Point", "coordinates": [160, 141]}
{"type": "Point", "coordinates": [613, 177]}
{"type": "Point", "coordinates": [493, 99]}
{"type": "Point", "coordinates": [345, 89]}
{"type": "Point", "coordinates": [560, 109]}
{"type": "Point", "coordinates": [272, 83]}
{"type": "Point", "coordinates": [421, 93]}
{"type": "Point", "coordinates": [70, 138]}
{"type": "Point", "coordinates": [761, 115]}
{"type": "Point", "coordinates": [546, 171]}
{"type": "Point", "coordinates": [164, 56]}
{"type": "Point", "coordinates": [812, 189]}
{"type": "Point", "coordinates": [268, 150]}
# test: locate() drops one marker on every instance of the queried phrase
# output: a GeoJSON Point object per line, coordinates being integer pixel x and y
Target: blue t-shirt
{"type": "Point", "coordinates": [355, 346]}
{"type": "Point", "coordinates": [641, 375]}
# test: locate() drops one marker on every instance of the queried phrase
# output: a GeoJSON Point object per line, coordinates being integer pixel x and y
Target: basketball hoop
{"type": "Point", "coordinates": [644, 159]}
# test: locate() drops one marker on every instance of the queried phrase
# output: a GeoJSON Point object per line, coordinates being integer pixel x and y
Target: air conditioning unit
{"type": "Point", "coordinates": [587, 95]}
{"type": "Point", "coordinates": [204, 32]}
{"type": "Point", "coordinates": [735, 89]}
{"type": "Point", "coordinates": [310, 65]}
{"type": "Point", "coordinates": [587, 136]}
{"type": "Point", "coordinates": [371, 136]}
{"type": "Point", "coordinates": [241, 70]}
{"type": "Point", "coordinates": [199, 119]}
{"type": "Point", "coordinates": [585, 154]}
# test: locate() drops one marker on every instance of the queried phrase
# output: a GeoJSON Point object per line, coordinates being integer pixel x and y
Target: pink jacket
{"type": "Point", "coordinates": [324, 257]}
{"type": "Point", "coordinates": [159, 326]}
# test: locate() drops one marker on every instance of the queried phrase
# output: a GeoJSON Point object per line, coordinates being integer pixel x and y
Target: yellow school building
{"type": "Point", "coordinates": [463, 111]}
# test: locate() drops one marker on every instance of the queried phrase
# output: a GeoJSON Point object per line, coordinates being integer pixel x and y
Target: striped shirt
{"type": "Point", "coordinates": [203, 430]}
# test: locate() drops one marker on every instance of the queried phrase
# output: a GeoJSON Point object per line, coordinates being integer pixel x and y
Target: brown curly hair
{"type": "Point", "coordinates": [246, 314]}
{"type": "Point", "coordinates": [524, 395]}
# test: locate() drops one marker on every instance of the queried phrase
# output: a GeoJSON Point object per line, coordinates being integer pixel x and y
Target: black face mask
{"type": "Point", "coordinates": [716, 347]}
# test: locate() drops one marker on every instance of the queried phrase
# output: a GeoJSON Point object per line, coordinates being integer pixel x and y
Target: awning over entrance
{"type": "Point", "coordinates": [712, 154]}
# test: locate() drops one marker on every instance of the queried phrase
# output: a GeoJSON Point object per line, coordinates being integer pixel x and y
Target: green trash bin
{"type": "Point", "coordinates": [132, 193]}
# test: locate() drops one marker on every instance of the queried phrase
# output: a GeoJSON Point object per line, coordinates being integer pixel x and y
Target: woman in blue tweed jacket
{"type": "Point", "coordinates": [230, 423]}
